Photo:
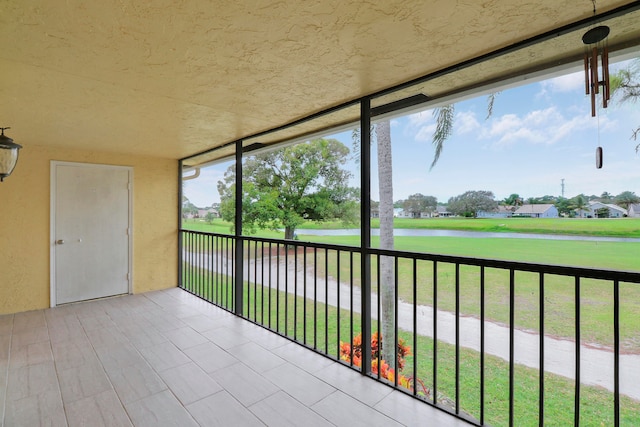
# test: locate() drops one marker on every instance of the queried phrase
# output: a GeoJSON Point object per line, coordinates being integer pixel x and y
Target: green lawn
{"type": "Point", "coordinates": [325, 327]}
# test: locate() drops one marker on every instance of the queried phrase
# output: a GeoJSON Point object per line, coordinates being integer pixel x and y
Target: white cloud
{"type": "Point", "coordinates": [466, 122]}
{"type": "Point", "coordinates": [419, 119]}
{"type": "Point", "coordinates": [563, 84]}
{"type": "Point", "coordinates": [546, 126]}
{"type": "Point", "coordinates": [421, 126]}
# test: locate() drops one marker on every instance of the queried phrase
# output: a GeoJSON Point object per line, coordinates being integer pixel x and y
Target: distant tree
{"type": "Point", "coordinates": [606, 197]}
{"type": "Point", "coordinates": [470, 203]}
{"type": "Point", "coordinates": [418, 203]}
{"type": "Point", "coordinates": [626, 198]}
{"type": "Point", "coordinates": [188, 208]}
{"type": "Point", "coordinates": [546, 199]}
{"type": "Point", "coordinates": [602, 213]}
{"type": "Point", "coordinates": [579, 203]}
{"type": "Point", "coordinates": [283, 188]}
{"type": "Point", "coordinates": [209, 217]}
{"type": "Point", "coordinates": [564, 206]}
{"type": "Point", "coordinates": [513, 200]}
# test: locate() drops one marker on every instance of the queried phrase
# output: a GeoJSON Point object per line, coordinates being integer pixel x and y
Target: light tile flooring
{"type": "Point", "coordinates": [167, 358]}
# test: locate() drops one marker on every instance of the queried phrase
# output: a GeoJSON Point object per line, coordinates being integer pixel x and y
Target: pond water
{"type": "Point", "coordinates": [404, 232]}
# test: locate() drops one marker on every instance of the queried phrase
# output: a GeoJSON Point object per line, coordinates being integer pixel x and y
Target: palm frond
{"type": "Point", "coordinates": [444, 129]}
{"type": "Point", "coordinates": [490, 101]}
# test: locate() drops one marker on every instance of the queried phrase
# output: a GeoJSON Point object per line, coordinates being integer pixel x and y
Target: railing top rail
{"type": "Point", "coordinates": [560, 270]}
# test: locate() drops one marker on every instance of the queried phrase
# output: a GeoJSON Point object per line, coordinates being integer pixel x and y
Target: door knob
{"type": "Point", "coordinates": [60, 242]}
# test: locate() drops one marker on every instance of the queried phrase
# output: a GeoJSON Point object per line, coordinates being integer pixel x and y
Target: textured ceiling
{"type": "Point", "coordinates": [175, 77]}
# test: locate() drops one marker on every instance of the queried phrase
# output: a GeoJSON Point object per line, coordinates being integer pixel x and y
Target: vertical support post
{"type": "Point", "coordinates": [180, 235]}
{"type": "Point", "coordinates": [239, 249]}
{"type": "Point", "coordinates": [365, 230]}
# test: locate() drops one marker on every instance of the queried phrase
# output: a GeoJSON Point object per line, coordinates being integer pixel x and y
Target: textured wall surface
{"type": "Point", "coordinates": [24, 228]}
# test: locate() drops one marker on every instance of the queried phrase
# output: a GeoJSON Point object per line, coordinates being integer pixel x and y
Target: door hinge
{"type": "Point", "coordinates": [128, 278]}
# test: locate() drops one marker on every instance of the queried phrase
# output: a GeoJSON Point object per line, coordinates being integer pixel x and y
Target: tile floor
{"type": "Point", "coordinates": [167, 358]}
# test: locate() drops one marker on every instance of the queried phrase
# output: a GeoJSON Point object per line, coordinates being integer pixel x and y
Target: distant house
{"type": "Point", "coordinates": [502, 212]}
{"type": "Point", "coordinates": [634, 210]}
{"type": "Point", "coordinates": [442, 212]}
{"type": "Point", "coordinates": [401, 213]}
{"type": "Point", "coordinates": [202, 213]}
{"type": "Point", "coordinates": [612, 211]}
{"type": "Point", "coordinates": [428, 214]}
{"type": "Point", "coordinates": [537, 211]}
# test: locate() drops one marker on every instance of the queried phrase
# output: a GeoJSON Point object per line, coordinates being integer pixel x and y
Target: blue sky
{"type": "Point", "coordinates": [538, 134]}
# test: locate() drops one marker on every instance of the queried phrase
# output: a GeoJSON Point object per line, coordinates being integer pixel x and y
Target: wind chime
{"type": "Point", "coordinates": [597, 53]}
{"type": "Point", "coordinates": [596, 66]}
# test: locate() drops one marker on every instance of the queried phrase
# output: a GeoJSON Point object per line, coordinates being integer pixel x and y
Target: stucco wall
{"type": "Point", "coordinates": [24, 224]}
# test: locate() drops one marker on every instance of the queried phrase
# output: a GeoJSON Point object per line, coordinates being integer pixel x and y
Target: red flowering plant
{"type": "Point", "coordinates": [347, 350]}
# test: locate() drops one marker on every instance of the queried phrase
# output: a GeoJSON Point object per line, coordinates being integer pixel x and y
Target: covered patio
{"type": "Point", "coordinates": [165, 86]}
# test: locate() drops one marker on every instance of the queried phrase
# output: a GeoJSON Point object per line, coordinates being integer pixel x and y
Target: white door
{"type": "Point", "coordinates": [90, 231]}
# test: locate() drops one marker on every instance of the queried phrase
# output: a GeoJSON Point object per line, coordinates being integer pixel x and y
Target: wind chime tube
{"type": "Point", "coordinates": [605, 71]}
{"type": "Point", "coordinates": [586, 74]}
{"type": "Point", "coordinates": [593, 84]}
{"type": "Point", "coordinates": [596, 81]}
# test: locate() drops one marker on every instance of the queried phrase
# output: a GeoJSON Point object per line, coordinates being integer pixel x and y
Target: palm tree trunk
{"type": "Point", "coordinates": [387, 274]}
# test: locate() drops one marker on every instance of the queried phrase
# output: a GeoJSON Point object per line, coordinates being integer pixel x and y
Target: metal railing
{"type": "Point", "coordinates": [484, 335]}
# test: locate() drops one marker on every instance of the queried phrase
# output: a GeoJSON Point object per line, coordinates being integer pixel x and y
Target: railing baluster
{"type": "Point", "coordinates": [262, 283]}
{"type": "Point", "coordinates": [482, 335]}
{"type": "Point", "coordinates": [295, 293]}
{"type": "Point", "coordinates": [210, 268]}
{"type": "Point", "coordinates": [247, 312]}
{"type": "Point", "coordinates": [435, 332]}
{"type": "Point", "coordinates": [304, 301]}
{"type": "Point", "coordinates": [395, 320]}
{"type": "Point", "coordinates": [351, 299]}
{"type": "Point", "coordinates": [541, 361]}
{"type": "Point", "coordinates": [326, 301]}
{"type": "Point", "coordinates": [315, 298]}
{"type": "Point", "coordinates": [286, 289]}
{"type": "Point", "coordinates": [512, 310]}
{"type": "Point", "coordinates": [379, 314]}
{"type": "Point", "coordinates": [270, 284]}
{"type": "Point", "coordinates": [278, 288]}
{"type": "Point", "coordinates": [457, 358]}
{"type": "Point", "coordinates": [616, 352]}
{"type": "Point", "coordinates": [415, 327]}
{"type": "Point", "coordinates": [255, 281]}
{"type": "Point", "coordinates": [577, 381]}
{"type": "Point", "coordinates": [200, 262]}
{"type": "Point", "coordinates": [338, 309]}
{"type": "Point", "coordinates": [192, 263]}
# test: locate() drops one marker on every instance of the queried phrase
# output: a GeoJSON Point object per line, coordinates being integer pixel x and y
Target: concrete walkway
{"type": "Point", "coordinates": [596, 364]}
